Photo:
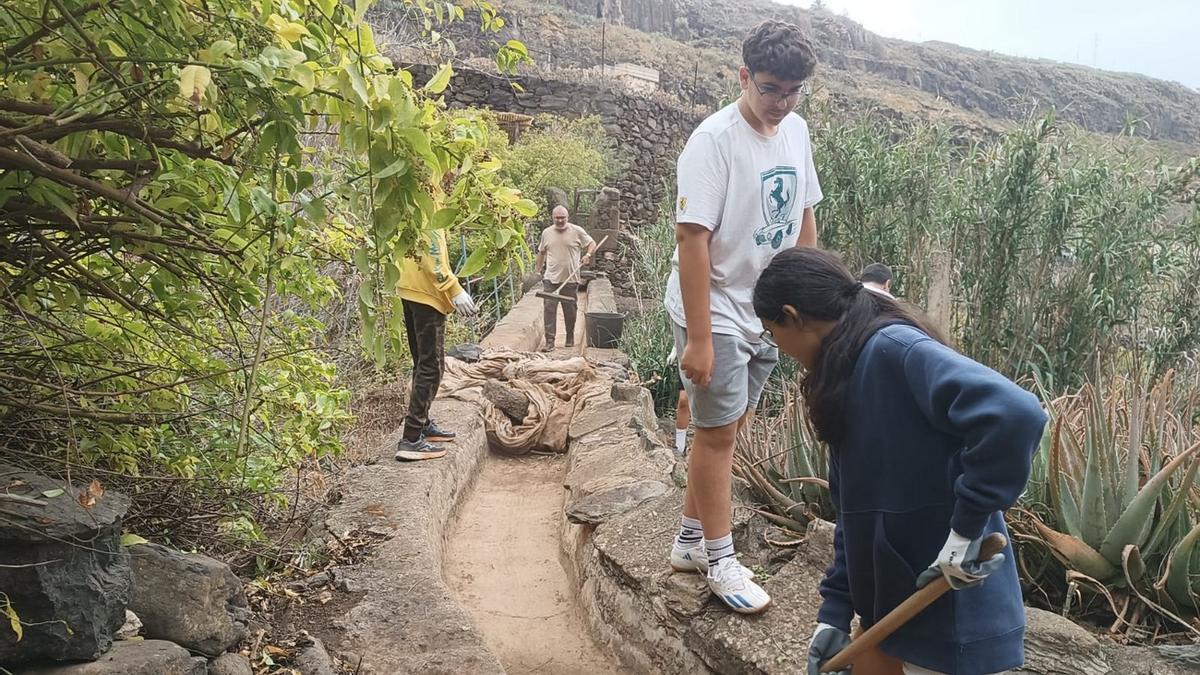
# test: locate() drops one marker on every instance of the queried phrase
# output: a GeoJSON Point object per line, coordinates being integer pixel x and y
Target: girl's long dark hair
{"type": "Point", "coordinates": [818, 286]}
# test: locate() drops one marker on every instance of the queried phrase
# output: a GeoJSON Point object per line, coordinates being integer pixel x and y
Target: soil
{"type": "Point", "coordinates": [503, 566]}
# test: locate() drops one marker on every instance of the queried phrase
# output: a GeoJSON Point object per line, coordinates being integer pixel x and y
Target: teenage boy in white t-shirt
{"type": "Point", "coordinates": [747, 186]}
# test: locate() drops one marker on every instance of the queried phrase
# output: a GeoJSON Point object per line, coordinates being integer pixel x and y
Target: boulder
{"type": "Point", "coordinates": [1166, 660]}
{"type": "Point", "coordinates": [314, 659]}
{"type": "Point", "coordinates": [595, 508]}
{"type": "Point", "coordinates": [1054, 644]}
{"type": "Point", "coordinates": [556, 197]}
{"type": "Point", "coordinates": [230, 664]}
{"type": "Point", "coordinates": [133, 657]}
{"type": "Point", "coordinates": [187, 598]}
{"type": "Point", "coordinates": [62, 567]}
{"type": "Point", "coordinates": [623, 392]}
{"type": "Point", "coordinates": [130, 629]}
{"type": "Point", "coordinates": [606, 212]}
{"type": "Point", "coordinates": [466, 352]}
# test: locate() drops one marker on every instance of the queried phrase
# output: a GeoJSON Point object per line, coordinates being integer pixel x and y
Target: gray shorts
{"type": "Point", "coordinates": [740, 372]}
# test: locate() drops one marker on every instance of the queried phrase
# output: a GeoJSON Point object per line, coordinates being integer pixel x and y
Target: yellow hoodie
{"type": "Point", "coordinates": [426, 277]}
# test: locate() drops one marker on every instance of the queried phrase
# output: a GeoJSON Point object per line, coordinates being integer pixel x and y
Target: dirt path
{"type": "Point", "coordinates": [502, 565]}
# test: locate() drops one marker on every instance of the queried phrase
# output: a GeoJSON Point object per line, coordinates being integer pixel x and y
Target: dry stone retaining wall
{"type": "Point", "coordinates": [650, 129]}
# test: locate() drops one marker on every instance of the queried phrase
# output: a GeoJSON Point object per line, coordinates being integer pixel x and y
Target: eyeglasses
{"type": "Point", "coordinates": [776, 96]}
{"type": "Point", "coordinates": [768, 337]}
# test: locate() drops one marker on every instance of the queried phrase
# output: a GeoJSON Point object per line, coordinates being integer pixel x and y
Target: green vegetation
{"type": "Point", "coordinates": [1114, 499]}
{"type": "Point", "coordinates": [180, 183]}
{"type": "Point", "coordinates": [555, 153]}
{"type": "Point", "coordinates": [562, 153]}
{"type": "Point", "coordinates": [1058, 249]}
{"type": "Point", "coordinates": [647, 338]}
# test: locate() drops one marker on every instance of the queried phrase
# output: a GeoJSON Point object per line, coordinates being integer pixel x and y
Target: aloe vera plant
{"type": "Point", "coordinates": [1113, 495]}
{"type": "Point", "coordinates": [785, 465]}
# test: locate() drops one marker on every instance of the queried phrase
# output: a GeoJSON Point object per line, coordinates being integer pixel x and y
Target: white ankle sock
{"type": "Point", "coordinates": [721, 547]}
{"type": "Point", "coordinates": [680, 441]}
{"type": "Point", "coordinates": [691, 532]}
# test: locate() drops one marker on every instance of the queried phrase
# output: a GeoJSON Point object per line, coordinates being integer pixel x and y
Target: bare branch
{"type": "Point", "coordinates": [45, 29]}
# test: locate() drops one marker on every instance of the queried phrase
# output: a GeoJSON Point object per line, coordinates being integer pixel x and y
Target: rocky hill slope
{"type": "Point", "coordinates": [695, 46]}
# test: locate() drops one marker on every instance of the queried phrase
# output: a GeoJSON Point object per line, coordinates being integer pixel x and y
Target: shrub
{"type": "Point", "coordinates": [174, 180]}
{"type": "Point", "coordinates": [1059, 249]}
{"type": "Point", "coordinates": [647, 339]}
{"type": "Point", "coordinates": [562, 153]}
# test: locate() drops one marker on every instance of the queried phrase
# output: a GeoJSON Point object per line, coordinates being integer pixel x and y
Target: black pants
{"type": "Point", "coordinates": [426, 330]}
{"type": "Point", "coordinates": [550, 310]}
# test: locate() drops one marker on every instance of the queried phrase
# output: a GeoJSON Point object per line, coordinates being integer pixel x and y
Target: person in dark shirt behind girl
{"type": "Point", "coordinates": [927, 449]}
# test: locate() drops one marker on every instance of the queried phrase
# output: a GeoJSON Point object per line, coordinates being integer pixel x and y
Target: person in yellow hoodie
{"type": "Point", "coordinates": [429, 291]}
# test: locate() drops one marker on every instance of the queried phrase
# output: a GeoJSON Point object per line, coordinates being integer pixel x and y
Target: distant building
{"type": "Point", "coordinates": [636, 78]}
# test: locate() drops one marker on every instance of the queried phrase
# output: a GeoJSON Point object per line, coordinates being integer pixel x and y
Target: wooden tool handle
{"type": "Point", "coordinates": [925, 596]}
{"type": "Point", "coordinates": [575, 270]}
{"type": "Point", "coordinates": [602, 240]}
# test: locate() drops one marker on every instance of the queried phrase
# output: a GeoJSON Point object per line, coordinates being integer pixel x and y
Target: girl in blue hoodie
{"type": "Point", "coordinates": [927, 449]}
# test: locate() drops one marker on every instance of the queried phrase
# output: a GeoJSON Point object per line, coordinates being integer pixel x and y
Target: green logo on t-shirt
{"type": "Point", "coordinates": [778, 196]}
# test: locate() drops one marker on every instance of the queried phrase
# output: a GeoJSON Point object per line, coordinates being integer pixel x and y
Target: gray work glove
{"type": "Point", "coordinates": [959, 563]}
{"type": "Point", "coordinates": [826, 642]}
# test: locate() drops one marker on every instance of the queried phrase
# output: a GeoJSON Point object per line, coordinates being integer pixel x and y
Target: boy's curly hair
{"type": "Point", "coordinates": [780, 49]}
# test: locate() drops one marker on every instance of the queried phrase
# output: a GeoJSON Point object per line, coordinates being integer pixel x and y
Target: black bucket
{"type": "Point", "coordinates": [604, 329]}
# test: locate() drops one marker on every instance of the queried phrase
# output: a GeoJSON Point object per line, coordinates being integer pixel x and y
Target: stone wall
{"type": "Point", "coordinates": [651, 130]}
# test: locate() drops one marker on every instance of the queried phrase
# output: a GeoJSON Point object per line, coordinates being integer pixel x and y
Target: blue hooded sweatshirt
{"type": "Point", "coordinates": [935, 441]}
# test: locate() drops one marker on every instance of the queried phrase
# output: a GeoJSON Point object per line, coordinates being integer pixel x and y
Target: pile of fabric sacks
{"type": "Point", "coordinates": [556, 388]}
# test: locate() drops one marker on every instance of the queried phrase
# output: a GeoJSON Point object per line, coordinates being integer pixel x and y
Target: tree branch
{"type": "Point", "coordinates": [99, 284]}
{"type": "Point", "coordinates": [47, 26]}
{"type": "Point", "coordinates": [97, 415]}
{"type": "Point", "coordinates": [97, 55]}
{"type": "Point", "coordinates": [126, 165]}
{"type": "Point", "coordinates": [16, 160]}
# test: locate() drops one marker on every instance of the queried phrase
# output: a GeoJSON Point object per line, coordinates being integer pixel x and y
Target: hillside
{"type": "Point", "coordinates": [695, 46]}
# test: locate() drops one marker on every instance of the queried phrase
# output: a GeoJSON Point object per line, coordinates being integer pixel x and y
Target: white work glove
{"type": "Point", "coordinates": [464, 305]}
{"type": "Point", "coordinates": [826, 642]}
{"type": "Point", "coordinates": [959, 563]}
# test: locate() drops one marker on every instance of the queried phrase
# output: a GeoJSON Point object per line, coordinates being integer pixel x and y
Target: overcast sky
{"type": "Point", "coordinates": [1160, 38]}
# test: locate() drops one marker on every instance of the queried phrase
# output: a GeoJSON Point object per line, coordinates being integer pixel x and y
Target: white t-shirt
{"type": "Point", "coordinates": [751, 191]}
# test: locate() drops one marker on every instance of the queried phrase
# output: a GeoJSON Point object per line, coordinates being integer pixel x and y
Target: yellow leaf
{"type": "Point", "coordinates": [116, 49]}
{"type": "Point", "coordinates": [304, 76]}
{"type": "Point", "coordinates": [13, 619]}
{"type": "Point", "coordinates": [193, 80]}
{"type": "Point", "coordinates": [131, 539]}
{"type": "Point", "coordinates": [210, 123]}
{"type": "Point", "coordinates": [365, 40]}
{"type": "Point", "coordinates": [40, 84]}
{"type": "Point", "coordinates": [288, 31]}
{"type": "Point", "coordinates": [360, 9]}
{"type": "Point", "coordinates": [81, 82]}
{"type": "Point", "coordinates": [437, 84]}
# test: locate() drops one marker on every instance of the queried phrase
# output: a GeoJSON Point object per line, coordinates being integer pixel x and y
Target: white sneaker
{"type": "Point", "coordinates": [694, 559]}
{"type": "Point", "coordinates": [734, 584]}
